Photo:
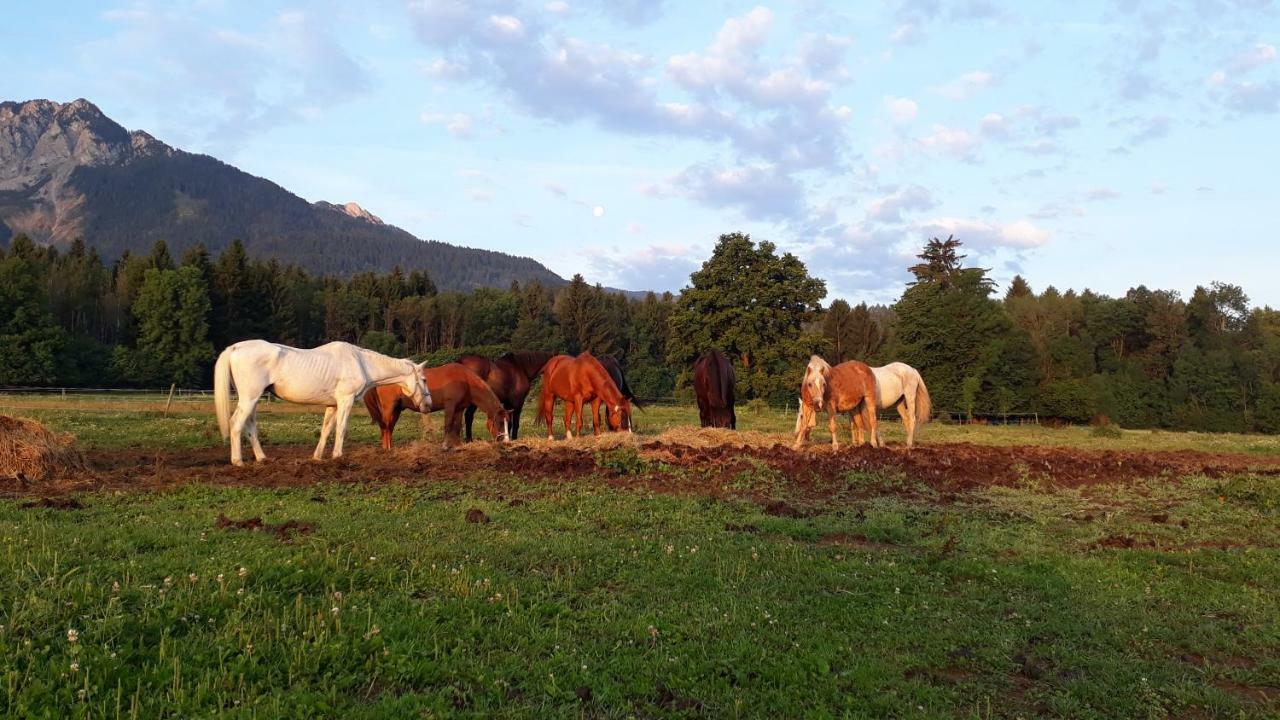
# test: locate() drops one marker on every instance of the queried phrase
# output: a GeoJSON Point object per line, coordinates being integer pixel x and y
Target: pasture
{"type": "Point", "coordinates": [992, 572]}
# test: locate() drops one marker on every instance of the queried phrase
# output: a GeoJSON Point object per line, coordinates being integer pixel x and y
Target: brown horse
{"type": "Point", "coordinates": [578, 381]}
{"type": "Point", "coordinates": [510, 377]}
{"type": "Point", "coordinates": [612, 367]}
{"type": "Point", "coordinates": [713, 381]}
{"type": "Point", "coordinates": [453, 388]}
{"type": "Point", "coordinates": [849, 387]}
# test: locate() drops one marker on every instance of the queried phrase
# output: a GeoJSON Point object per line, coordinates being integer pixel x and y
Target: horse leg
{"type": "Point", "coordinates": [595, 416]}
{"type": "Point", "coordinates": [869, 410]}
{"type": "Point", "coordinates": [471, 416]}
{"type": "Point", "coordinates": [452, 433]}
{"type": "Point", "coordinates": [251, 428]}
{"type": "Point", "coordinates": [831, 424]}
{"type": "Point", "coordinates": [568, 419]}
{"type": "Point", "coordinates": [325, 426]}
{"type": "Point", "coordinates": [340, 430]}
{"type": "Point", "coordinates": [857, 428]}
{"type": "Point", "coordinates": [514, 430]}
{"type": "Point", "coordinates": [908, 422]}
{"type": "Point", "coordinates": [238, 419]}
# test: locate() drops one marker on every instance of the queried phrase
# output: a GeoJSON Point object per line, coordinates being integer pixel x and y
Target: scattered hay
{"type": "Point", "coordinates": [716, 437]}
{"type": "Point", "coordinates": [30, 451]}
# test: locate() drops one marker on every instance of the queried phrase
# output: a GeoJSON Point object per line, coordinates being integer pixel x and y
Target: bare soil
{"type": "Point", "coordinates": [519, 470]}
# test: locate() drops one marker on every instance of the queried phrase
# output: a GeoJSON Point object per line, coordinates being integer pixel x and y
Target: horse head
{"type": "Point", "coordinates": [415, 387]}
{"type": "Point", "coordinates": [620, 416]}
{"type": "Point", "coordinates": [500, 425]}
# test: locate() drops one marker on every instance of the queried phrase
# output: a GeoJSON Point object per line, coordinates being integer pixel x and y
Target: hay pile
{"type": "Point", "coordinates": [28, 450]}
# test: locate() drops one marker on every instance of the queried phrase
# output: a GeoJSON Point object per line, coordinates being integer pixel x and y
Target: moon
{"type": "Point", "coordinates": [598, 211]}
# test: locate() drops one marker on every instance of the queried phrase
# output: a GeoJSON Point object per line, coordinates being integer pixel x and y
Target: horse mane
{"type": "Point", "coordinates": [529, 362]}
{"type": "Point", "coordinates": [817, 364]}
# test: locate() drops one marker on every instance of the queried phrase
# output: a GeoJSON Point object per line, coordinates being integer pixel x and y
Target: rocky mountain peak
{"type": "Point", "coordinates": [353, 210]}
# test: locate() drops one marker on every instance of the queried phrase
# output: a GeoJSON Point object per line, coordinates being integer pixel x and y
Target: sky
{"type": "Point", "coordinates": [1101, 144]}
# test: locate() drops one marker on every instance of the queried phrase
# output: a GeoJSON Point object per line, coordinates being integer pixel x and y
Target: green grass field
{"type": "Point", "coordinates": [582, 600]}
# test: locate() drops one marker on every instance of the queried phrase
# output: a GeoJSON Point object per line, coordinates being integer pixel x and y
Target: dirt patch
{"type": "Point", "coordinates": [30, 452]}
{"type": "Point", "coordinates": [1254, 694]}
{"type": "Point", "coordinates": [284, 531]}
{"type": "Point", "coordinates": [65, 503]}
{"type": "Point", "coordinates": [788, 480]}
{"type": "Point", "coordinates": [476, 515]}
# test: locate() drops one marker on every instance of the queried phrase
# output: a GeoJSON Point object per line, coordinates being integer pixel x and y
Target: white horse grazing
{"type": "Point", "coordinates": [898, 385]}
{"type": "Point", "coordinates": [335, 375]}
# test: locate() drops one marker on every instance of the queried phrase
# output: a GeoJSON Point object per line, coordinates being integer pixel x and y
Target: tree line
{"type": "Point", "coordinates": [1148, 359]}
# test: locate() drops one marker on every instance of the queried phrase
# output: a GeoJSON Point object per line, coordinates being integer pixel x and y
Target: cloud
{"type": "Point", "coordinates": [889, 209]}
{"type": "Point", "coordinates": [654, 267]}
{"type": "Point", "coordinates": [905, 34]}
{"type": "Point", "coordinates": [902, 110]}
{"type": "Point", "coordinates": [1100, 194]}
{"type": "Point", "coordinates": [216, 86]}
{"type": "Point", "coordinates": [1252, 59]}
{"type": "Point", "coordinates": [967, 85]}
{"type": "Point", "coordinates": [954, 142]}
{"type": "Point", "coordinates": [994, 126]}
{"type": "Point", "coordinates": [760, 192]}
{"type": "Point", "coordinates": [1020, 234]}
{"type": "Point", "coordinates": [1247, 97]}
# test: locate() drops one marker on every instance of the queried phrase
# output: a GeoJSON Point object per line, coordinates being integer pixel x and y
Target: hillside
{"type": "Point", "coordinates": [68, 171]}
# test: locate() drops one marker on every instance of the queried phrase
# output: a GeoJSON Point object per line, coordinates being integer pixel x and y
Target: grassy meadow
{"type": "Point", "coordinates": [577, 599]}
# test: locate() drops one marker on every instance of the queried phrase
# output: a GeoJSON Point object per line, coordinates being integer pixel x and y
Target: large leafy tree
{"type": "Point", "coordinates": [753, 304]}
{"type": "Point", "coordinates": [172, 311]}
{"type": "Point", "coordinates": [30, 338]}
{"type": "Point", "coordinates": [961, 340]}
{"type": "Point", "coordinates": [851, 333]}
{"type": "Point", "coordinates": [584, 318]}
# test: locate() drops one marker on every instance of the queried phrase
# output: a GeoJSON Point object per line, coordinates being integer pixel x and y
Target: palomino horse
{"type": "Point", "coordinates": [332, 375]}
{"type": "Point", "coordinates": [578, 381]}
{"type": "Point", "coordinates": [612, 367]}
{"type": "Point", "coordinates": [900, 386]}
{"type": "Point", "coordinates": [849, 387]}
{"type": "Point", "coordinates": [510, 377]}
{"type": "Point", "coordinates": [713, 382]}
{"type": "Point", "coordinates": [453, 388]}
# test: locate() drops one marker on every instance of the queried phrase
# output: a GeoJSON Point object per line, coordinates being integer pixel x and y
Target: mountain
{"type": "Point", "coordinates": [68, 171]}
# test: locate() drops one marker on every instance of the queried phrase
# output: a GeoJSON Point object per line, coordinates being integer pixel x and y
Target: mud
{"type": "Point", "coordinates": [520, 472]}
{"type": "Point", "coordinates": [284, 531]}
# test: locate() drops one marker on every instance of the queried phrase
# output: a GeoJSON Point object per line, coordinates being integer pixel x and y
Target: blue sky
{"type": "Point", "coordinates": [1088, 144]}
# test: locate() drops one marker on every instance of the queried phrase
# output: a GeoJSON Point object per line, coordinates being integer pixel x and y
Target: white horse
{"type": "Point", "coordinates": [898, 385]}
{"type": "Point", "coordinates": [335, 375]}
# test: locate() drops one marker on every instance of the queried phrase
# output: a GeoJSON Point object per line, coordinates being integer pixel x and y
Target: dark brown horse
{"type": "Point", "coordinates": [453, 388]}
{"type": "Point", "coordinates": [612, 367]}
{"type": "Point", "coordinates": [578, 381]}
{"type": "Point", "coordinates": [713, 381]}
{"type": "Point", "coordinates": [510, 378]}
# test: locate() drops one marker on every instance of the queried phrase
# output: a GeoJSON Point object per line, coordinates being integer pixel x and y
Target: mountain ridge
{"type": "Point", "coordinates": [68, 171]}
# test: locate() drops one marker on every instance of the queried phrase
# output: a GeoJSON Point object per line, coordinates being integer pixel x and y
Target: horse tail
{"type": "Point", "coordinates": [540, 418]}
{"type": "Point", "coordinates": [222, 392]}
{"type": "Point", "coordinates": [724, 371]}
{"type": "Point", "coordinates": [924, 406]}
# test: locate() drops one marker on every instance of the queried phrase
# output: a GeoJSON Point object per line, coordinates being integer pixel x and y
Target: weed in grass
{"type": "Point", "coordinates": [622, 460]}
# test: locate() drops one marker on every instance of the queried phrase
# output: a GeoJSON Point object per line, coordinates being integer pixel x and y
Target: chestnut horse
{"type": "Point", "coordinates": [578, 381]}
{"type": "Point", "coordinates": [510, 377]}
{"type": "Point", "coordinates": [713, 382]}
{"type": "Point", "coordinates": [849, 387]}
{"type": "Point", "coordinates": [612, 367]}
{"type": "Point", "coordinates": [454, 389]}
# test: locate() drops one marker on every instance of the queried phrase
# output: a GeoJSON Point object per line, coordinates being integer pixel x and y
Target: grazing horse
{"type": "Point", "coordinates": [849, 387]}
{"type": "Point", "coordinates": [332, 375]}
{"type": "Point", "coordinates": [510, 377]}
{"type": "Point", "coordinates": [900, 386]}
{"type": "Point", "coordinates": [578, 381]}
{"type": "Point", "coordinates": [612, 367]}
{"type": "Point", "coordinates": [713, 382]}
{"type": "Point", "coordinates": [453, 388]}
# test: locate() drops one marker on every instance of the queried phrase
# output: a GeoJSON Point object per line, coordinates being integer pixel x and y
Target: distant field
{"type": "Point", "coordinates": [993, 573]}
{"type": "Point", "coordinates": [138, 421]}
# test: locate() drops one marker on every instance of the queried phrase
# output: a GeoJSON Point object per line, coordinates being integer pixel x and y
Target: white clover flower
{"type": "Point", "coordinates": [75, 667]}
{"type": "Point", "coordinates": [72, 636]}
{"type": "Point", "coordinates": [242, 572]}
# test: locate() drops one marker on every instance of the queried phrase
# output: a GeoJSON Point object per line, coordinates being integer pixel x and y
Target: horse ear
{"type": "Point", "coordinates": [421, 366]}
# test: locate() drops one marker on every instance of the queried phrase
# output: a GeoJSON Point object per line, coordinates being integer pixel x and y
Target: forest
{"type": "Point", "coordinates": [1149, 359]}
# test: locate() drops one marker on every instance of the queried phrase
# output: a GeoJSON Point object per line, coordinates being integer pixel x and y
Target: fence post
{"type": "Point", "coordinates": [169, 402]}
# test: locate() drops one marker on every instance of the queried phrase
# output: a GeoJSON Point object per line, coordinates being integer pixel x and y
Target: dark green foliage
{"type": "Point", "coordinates": [1144, 360]}
{"type": "Point", "coordinates": [752, 304]}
